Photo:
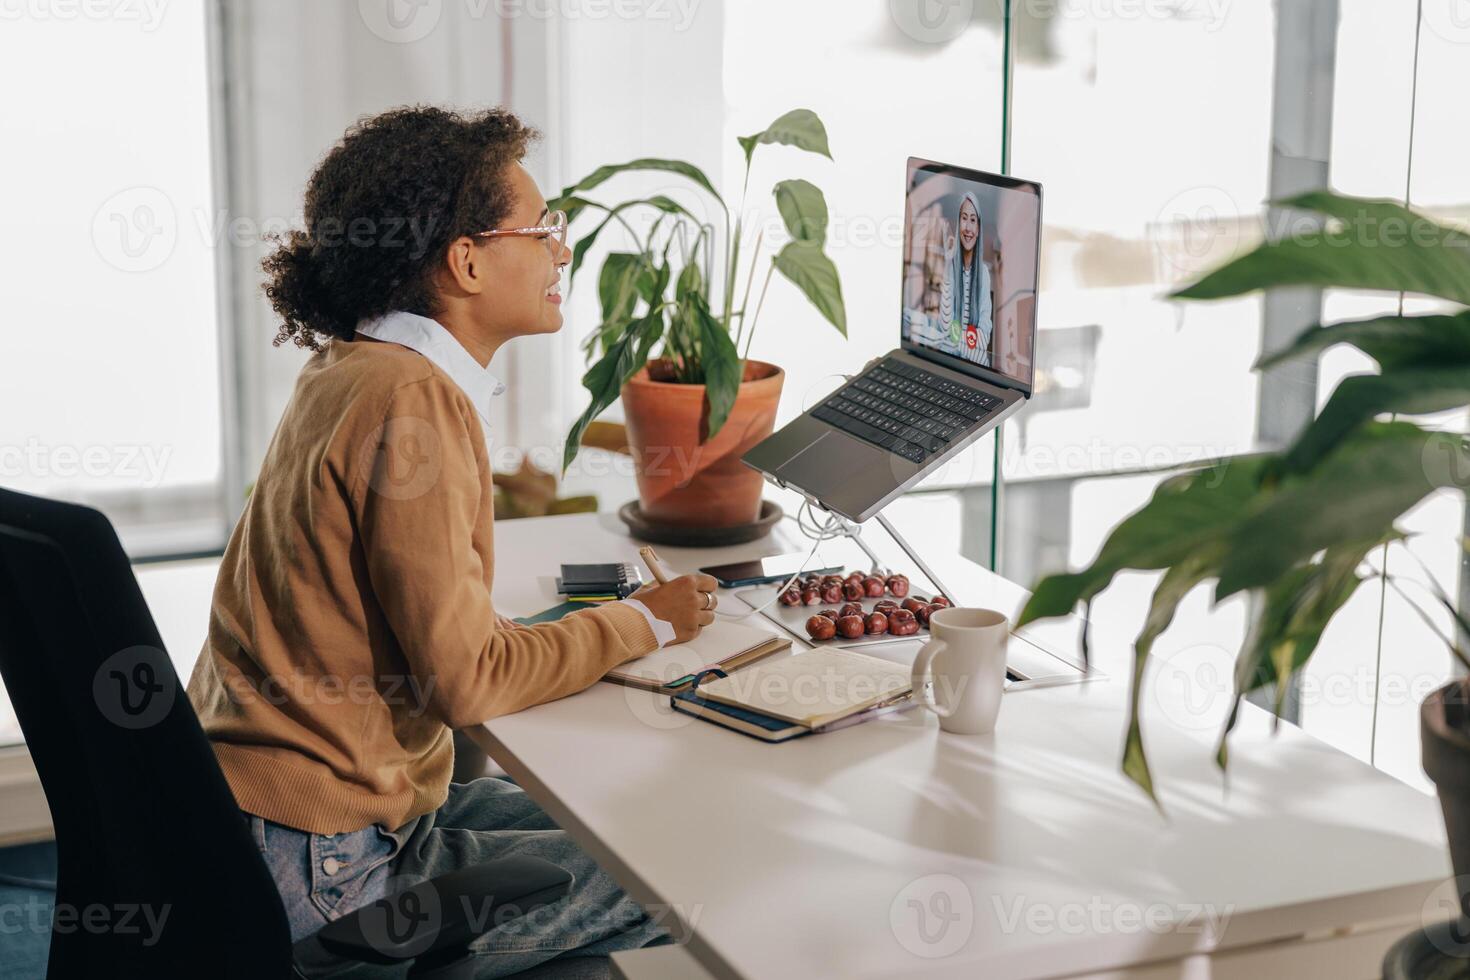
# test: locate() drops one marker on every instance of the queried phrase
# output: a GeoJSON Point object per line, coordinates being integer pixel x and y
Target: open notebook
{"type": "Point", "coordinates": [818, 691]}
{"type": "Point", "coordinates": [723, 644]}
{"type": "Point", "coordinates": [812, 689]}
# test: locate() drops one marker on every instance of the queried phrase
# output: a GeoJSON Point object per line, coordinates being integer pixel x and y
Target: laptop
{"type": "Point", "coordinates": [966, 357]}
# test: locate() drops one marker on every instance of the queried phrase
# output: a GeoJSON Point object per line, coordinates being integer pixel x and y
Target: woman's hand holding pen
{"type": "Point", "coordinates": [687, 603]}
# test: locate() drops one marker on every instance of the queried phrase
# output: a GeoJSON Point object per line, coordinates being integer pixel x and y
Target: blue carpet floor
{"type": "Point", "coordinates": [27, 876]}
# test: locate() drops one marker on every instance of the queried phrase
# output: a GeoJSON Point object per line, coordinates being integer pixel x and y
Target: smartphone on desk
{"type": "Point", "coordinates": [759, 571]}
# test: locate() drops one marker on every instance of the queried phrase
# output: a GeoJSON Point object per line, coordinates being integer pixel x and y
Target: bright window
{"type": "Point", "coordinates": [109, 377]}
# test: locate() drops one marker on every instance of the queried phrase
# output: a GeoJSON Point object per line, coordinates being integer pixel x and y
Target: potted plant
{"type": "Point", "coordinates": [670, 336]}
{"type": "Point", "coordinates": [1297, 528]}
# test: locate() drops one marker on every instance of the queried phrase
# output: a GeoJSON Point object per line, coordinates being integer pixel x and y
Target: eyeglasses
{"type": "Point", "coordinates": [554, 229]}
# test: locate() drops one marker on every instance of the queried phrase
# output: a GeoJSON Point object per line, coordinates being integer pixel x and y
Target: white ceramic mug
{"type": "Point", "coordinates": [966, 663]}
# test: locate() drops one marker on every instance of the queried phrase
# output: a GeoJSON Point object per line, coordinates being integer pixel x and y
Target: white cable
{"type": "Point", "coordinates": [831, 529]}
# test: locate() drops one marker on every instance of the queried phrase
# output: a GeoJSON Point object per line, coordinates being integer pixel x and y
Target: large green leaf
{"type": "Point", "coordinates": [1392, 341]}
{"type": "Point", "coordinates": [1292, 615]}
{"type": "Point", "coordinates": [1371, 244]}
{"type": "Point", "coordinates": [803, 209]}
{"type": "Point", "coordinates": [1362, 397]}
{"type": "Point", "coordinates": [605, 381]}
{"type": "Point", "coordinates": [1177, 582]}
{"type": "Point", "coordinates": [799, 127]}
{"type": "Point", "coordinates": [1186, 514]}
{"type": "Point", "coordinates": [585, 243]}
{"type": "Point", "coordinates": [721, 363]}
{"type": "Point", "coordinates": [689, 284]}
{"type": "Point", "coordinates": [647, 332]}
{"type": "Point", "coordinates": [1354, 494]}
{"type": "Point", "coordinates": [654, 281]}
{"type": "Point", "coordinates": [617, 285]}
{"type": "Point", "coordinates": [679, 167]}
{"type": "Point", "coordinates": [806, 265]}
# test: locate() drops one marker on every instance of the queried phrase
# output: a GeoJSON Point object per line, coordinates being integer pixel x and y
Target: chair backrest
{"type": "Point", "coordinates": [157, 875]}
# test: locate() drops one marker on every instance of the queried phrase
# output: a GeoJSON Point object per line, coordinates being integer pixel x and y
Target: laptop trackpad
{"type": "Point", "coordinates": [832, 462]}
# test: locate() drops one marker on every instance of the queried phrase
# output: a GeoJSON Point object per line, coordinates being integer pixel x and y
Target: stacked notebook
{"type": "Point", "coordinates": [598, 582]}
{"type": "Point", "coordinates": [818, 691]}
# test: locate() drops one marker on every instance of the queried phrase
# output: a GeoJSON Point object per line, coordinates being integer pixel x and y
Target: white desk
{"type": "Point", "coordinates": [1026, 852]}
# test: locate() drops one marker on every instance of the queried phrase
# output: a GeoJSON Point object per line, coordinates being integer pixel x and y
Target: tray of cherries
{"type": "Point", "coordinates": [860, 606]}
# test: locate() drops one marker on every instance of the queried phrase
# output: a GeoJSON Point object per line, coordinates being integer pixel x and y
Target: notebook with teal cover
{"type": "Point", "coordinates": [554, 613]}
{"type": "Point", "coordinates": [742, 720]}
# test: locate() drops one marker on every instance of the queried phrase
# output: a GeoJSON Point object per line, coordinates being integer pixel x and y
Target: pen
{"type": "Point", "coordinates": [655, 567]}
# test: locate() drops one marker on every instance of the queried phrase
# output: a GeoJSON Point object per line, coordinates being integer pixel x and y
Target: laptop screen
{"type": "Point", "coordinates": [971, 244]}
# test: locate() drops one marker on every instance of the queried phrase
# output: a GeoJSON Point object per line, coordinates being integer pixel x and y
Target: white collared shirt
{"type": "Point", "coordinates": [429, 338]}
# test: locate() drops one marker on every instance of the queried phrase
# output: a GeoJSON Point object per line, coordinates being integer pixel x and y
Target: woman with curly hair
{"type": "Point", "coordinates": [351, 628]}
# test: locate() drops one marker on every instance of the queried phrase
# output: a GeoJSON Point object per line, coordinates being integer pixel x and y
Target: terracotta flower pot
{"type": "Point", "coordinates": [681, 480]}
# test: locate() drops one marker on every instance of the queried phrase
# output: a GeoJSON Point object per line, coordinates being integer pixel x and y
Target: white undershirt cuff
{"type": "Point", "coordinates": [662, 631]}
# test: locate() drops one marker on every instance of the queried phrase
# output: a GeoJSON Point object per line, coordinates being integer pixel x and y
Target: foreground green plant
{"type": "Point", "coordinates": [1295, 528]}
{"type": "Point", "coordinates": [666, 293]}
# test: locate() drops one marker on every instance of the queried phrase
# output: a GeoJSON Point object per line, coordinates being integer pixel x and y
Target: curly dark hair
{"type": "Point", "coordinates": [381, 209]}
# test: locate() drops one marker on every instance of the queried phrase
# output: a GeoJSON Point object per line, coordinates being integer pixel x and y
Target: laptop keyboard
{"type": "Point", "coordinates": [906, 410]}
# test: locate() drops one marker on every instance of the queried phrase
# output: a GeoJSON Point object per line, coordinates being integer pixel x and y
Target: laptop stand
{"type": "Point", "coordinates": [855, 532]}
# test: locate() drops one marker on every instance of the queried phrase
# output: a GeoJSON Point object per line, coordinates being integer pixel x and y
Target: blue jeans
{"type": "Point", "coordinates": [323, 877]}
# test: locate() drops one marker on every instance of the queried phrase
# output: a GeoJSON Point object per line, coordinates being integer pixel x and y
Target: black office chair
{"type": "Point", "coordinates": [143, 815]}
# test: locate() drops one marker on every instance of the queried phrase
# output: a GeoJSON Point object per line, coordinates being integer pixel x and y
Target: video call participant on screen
{"type": "Point", "coordinates": [964, 300]}
{"type": "Point", "coordinates": [962, 326]}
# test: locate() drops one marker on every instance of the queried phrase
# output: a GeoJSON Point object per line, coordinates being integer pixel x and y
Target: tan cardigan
{"type": "Point", "coordinates": [351, 626]}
